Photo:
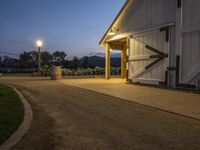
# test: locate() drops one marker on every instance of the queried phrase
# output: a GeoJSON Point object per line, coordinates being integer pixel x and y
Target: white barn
{"type": "Point", "coordinates": [159, 42]}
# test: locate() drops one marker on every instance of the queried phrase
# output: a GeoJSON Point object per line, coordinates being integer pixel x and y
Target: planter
{"type": "Point", "coordinates": [56, 73]}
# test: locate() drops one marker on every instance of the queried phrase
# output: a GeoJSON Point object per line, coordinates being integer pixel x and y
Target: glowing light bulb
{"type": "Point", "coordinates": [39, 43]}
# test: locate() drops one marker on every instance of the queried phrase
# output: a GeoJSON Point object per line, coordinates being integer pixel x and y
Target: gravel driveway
{"type": "Point", "coordinates": [67, 117]}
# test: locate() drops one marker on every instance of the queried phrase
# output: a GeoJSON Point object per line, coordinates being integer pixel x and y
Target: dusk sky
{"type": "Point", "coordinates": [73, 26]}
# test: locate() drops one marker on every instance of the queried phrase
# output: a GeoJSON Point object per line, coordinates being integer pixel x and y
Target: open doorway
{"type": "Point", "coordinates": [115, 63]}
{"type": "Point", "coordinates": [116, 48]}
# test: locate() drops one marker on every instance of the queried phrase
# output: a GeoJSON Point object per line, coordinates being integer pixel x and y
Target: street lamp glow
{"type": "Point", "coordinates": [39, 43]}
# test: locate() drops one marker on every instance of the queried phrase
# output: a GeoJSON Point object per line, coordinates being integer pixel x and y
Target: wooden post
{"type": "Point", "coordinates": [107, 62]}
{"type": "Point", "coordinates": [127, 57]}
{"type": "Point", "coordinates": [123, 62]}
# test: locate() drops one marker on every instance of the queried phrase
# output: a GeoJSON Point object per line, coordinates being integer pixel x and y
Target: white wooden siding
{"type": "Point", "coordinates": [190, 41]}
{"type": "Point", "coordinates": [185, 39]}
{"type": "Point", "coordinates": [144, 14]}
{"type": "Point", "coordinates": [137, 50]}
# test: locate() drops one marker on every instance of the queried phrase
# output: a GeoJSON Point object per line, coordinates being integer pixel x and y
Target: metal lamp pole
{"type": "Point", "coordinates": [39, 44]}
{"type": "Point", "coordinates": [39, 59]}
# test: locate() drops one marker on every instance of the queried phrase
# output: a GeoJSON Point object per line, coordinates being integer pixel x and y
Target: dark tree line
{"type": "Point", "coordinates": [7, 62]}
{"type": "Point", "coordinates": [27, 61]}
{"type": "Point", "coordinates": [30, 59]}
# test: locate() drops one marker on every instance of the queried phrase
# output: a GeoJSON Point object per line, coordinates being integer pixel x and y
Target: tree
{"type": "Point", "coordinates": [26, 60]}
{"type": "Point", "coordinates": [85, 63]}
{"type": "Point", "coordinates": [46, 58]}
{"type": "Point", "coordinates": [1, 59]}
{"type": "Point", "coordinates": [75, 63]}
{"type": "Point", "coordinates": [59, 57]}
{"type": "Point", "coordinates": [8, 62]}
{"type": "Point", "coordinates": [34, 55]}
{"type": "Point", "coordinates": [30, 59]}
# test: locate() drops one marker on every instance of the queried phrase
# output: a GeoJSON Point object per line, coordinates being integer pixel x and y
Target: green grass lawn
{"type": "Point", "coordinates": [11, 112]}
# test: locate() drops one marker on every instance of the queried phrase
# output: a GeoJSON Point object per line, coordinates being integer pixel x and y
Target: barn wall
{"type": "Point", "coordinates": [190, 42]}
{"type": "Point", "coordinates": [137, 49]}
{"type": "Point", "coordinates": [143, 14]}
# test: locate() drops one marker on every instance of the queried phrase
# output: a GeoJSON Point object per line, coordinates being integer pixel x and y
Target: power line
{"type": "Point", "coordinates": [8, 53]}
{"type": "Point", "coordinates": [14, 54]}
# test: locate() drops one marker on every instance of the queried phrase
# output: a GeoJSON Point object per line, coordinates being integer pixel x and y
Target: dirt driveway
{"type": "Point", "coordinates": [67, 117]}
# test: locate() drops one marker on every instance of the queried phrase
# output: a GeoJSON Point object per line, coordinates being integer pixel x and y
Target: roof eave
{"type": "Point", "coordinates": [122, 9]}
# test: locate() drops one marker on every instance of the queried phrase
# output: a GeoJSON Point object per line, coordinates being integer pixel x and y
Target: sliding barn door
{"type": "Point", "coordinates": [189, 34]}
{"type": "Point", "coordinates": [148, 56]}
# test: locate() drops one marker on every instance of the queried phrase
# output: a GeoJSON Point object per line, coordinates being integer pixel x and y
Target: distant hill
{"type": "Point", "coordinates": [99, 54]}
{"type": "Point", "coordinates": [116, 55]}
{"type": "Point", "coordinates": [113, 55]}
{"type": "Point", "coordinates": [100, 61]}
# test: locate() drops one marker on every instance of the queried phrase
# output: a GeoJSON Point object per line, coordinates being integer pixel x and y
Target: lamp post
{"type": "Point", "coordinates": [39, 45]}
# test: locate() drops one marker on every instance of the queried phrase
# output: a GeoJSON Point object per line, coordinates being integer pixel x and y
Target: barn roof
{"type": "Point", "coordinates": [116, 18]}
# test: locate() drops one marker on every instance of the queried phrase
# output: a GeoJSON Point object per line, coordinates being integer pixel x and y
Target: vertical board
{"type": "Point", "coordinates": [190, 42]}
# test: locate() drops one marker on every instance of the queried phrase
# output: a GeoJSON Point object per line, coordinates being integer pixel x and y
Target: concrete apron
{"type": "Point", "coordinates": [178, 102]}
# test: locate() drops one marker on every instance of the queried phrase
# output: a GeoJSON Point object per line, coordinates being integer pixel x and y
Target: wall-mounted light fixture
{"type": "Point", "coordinates": [111, 32]}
